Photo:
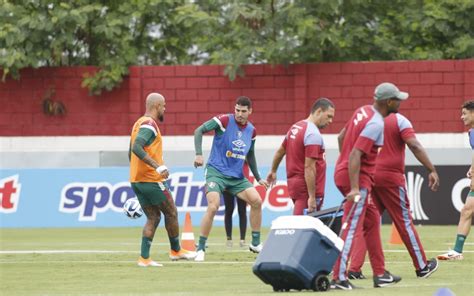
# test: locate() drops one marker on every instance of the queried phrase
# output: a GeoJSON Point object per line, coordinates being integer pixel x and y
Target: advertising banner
{"type": "Point", "coordinates": [94, 197]}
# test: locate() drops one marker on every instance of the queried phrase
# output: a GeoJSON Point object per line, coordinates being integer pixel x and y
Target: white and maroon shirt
{"type": "Point", "coordinates": [364, 131]}
{"type": "Point", "coordinates": [390, 166]}
{"type": "Point", "coordinates": [302, 140]}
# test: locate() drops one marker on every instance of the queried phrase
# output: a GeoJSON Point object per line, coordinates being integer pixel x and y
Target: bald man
{"type": "Point", "coordinates": [148, 174]}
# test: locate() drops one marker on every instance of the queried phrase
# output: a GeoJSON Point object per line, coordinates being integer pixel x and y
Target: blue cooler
{"type": "Point", "coordinates": [299, 253]}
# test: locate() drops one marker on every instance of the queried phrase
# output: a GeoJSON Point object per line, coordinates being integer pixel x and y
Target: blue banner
{"type": "Point", "coordinates": [94, 197]}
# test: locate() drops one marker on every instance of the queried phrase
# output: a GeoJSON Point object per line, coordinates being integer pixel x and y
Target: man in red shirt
{"type": "Point", "coordinates": [389, 192]}
{"type": "Point", "coordinates": [305, 159]}
{"type": "Point", "coordinates": [359, 143]}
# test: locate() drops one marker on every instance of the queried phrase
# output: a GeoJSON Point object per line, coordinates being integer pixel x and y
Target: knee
{"type": "Point", "coordinates": [256, 203]}
{"type": "Point", "coordinates": [466, 212]}
{"type": "Point", "coordinates": [212, 208]}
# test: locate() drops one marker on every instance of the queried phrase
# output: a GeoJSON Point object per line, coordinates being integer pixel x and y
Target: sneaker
{"type": "Point", "coordinates": [182, 254]}
{"type": "Point", "coordinates": [356, 275]}
{"type": "Point", "coordinates": [342, 285]}
{"type": "Point", "coordinates": [242, 243]}
{"type": "Point", "coordinates": [450, 255]}
{"type": "Point", "coordinates": [229, 243]}
{"type": "Point", "coordinates": [199, 256]}
{"type": "Point", "coordinates": [255, 249]}
{"type": "Point", "coordinates": [431, 266]}
{"type": "Point", "coordinates": [386, 279]}
{"type": "Point", "coordinates": [147, 262]}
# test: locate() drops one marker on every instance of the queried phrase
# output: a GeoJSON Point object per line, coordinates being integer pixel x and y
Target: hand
{"type": "Point", "coordinates": [271, 178]}
{"type": "Point", "coordinates": [165, 174]}
{"type": "Point", "coordinates": [351, 196]}
{"type": "Point", "coordinates": [263, 183]}
{"type": "Point", "coordinates": [433, 182]}
{"type": "Point", "coordinates": [311, 204]}
{"type": "Point", "coordinates": [198, 161]}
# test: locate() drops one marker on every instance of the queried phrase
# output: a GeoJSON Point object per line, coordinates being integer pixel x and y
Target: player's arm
{"type": "Point", "coordinates": [198, 133]}
{"type": "Point", "coordinates": [420, 153]}
{"type": "Point", "coordinates": [310, 180]}
{"type": "Point", "coordinates": [340, 138]}
{"type": "Point", "coordinates": [354, 171]}
{"type": "Point", "coordinates": [271, 178]}
{"type": "Point", "coordinates": [252, 161]}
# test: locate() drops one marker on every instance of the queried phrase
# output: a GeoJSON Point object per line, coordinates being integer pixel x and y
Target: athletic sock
{"type": "Point", "coordinates": [458, 246]}
{"type": "Point", "coordinates": [146, 244]}
{"type": "Point", "coordinates": [255, 238]}
{"type": "Point", "coordinates": [174, 242]}
{"type": "Point", "coordinates": [202, 243]}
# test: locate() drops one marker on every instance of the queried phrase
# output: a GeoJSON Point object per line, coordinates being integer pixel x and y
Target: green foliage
{"type": "Point", "coordinates": [113, 35]}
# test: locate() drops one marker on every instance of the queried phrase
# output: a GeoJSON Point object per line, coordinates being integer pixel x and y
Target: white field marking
{"type": "Point", "coordinates": [65, 252]}
{"type": "Point", "coordinates": [243, 250]}
{"type": "Point", "coordinates": [128, 262]}
{"type": "Point", "coordinates": [470, 244]}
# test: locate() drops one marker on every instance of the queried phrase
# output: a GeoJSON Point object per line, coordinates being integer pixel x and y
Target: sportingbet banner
{"type": "Point", "coordinates": [94, 197]}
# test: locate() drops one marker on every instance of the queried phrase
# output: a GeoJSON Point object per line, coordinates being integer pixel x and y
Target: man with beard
{"type": "Point", "coordinates": [233, 144]}
{"type": "Point", "coordinates": [148, 174]}
{"type": "Point", "coordinates": [305, 158]}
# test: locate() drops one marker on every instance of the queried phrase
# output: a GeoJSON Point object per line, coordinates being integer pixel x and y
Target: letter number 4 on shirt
{"type": "Point", "coordinates": [361, 115]}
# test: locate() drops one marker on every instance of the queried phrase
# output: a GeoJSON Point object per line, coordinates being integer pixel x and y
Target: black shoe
{"type": "Point", "coordinates": [431, 266]}
{"type": "Point", "coordinates": [386, 279]}
{"type": "Point", "coordinates": [342, 285]}
{"type": "Point", "coordinates": [356, 275]}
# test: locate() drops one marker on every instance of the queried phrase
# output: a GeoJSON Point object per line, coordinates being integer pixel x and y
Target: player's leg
{"type": "Point", "coordinates": [464, 226]}
{"type": "Point", "coordinates": [229, 202]}
{"type": "Point", "coordinates": [357, 257]}
{"type": "Point", "coordinates": [161, 197]}
{"type": "Point", "coordinates": [398, 206]}
{"type": "Point", "coordinates": [153, 216]}
{"type": "Point", "coordinates": [300, 204]}
{"type": "Point", "coordinates": [245, 191]}
{"type": "Point", "coordinates": [354, 222]}
{"type": "Point", "coordinates": [381, 277]}
{"type": "Point", "coordinates": [242, 211]}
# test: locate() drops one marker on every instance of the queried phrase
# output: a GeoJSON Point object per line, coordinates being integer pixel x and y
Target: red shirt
{"type": "Point", "coordinates": [364, 131]}
{"type": "Point", "coordinates": [390, 166]}
{"type": "Point", "coordinates": [302, 140]}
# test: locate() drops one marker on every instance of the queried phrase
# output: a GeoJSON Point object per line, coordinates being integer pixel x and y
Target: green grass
{"type": "Point", "coordinates": [225, 272]}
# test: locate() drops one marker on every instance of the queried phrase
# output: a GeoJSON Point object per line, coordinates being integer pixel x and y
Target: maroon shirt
{"type": "Point", "coordinates": [390, 165]}
{"type": "Point", "coordinates": [302, 140]}
{"type": "Point", "coordinates": [364, 131]}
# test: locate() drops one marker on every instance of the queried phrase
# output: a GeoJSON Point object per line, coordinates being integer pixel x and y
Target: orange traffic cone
{"type": "Point", "coordinates": [187, 236]}
{"type": "Point", "coordinates": [395, 238]}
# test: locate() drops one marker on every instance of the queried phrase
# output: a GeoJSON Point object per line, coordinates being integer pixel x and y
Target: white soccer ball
{"type": "Point", "coordinates": [132, 208]}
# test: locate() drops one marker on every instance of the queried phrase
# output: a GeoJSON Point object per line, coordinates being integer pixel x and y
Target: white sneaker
{"type": "Point", "coordinates": [242, 243]}
{"type": "Point", "coordinates": [255, 249]}
{"type": "Point", "coordinates": [142, 262]}
{"type": "Point", "coordinates": [229, 243]}
{"type": "Point", "coordinates": [451, 255]}
{"type": "Point", "coordinates": [200, 256]}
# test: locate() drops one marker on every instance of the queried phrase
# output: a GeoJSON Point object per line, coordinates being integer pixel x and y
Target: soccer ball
{"type": "Point", "coordinates": [132, 208]}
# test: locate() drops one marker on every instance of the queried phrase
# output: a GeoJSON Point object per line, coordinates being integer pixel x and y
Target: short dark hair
{"type": "Point", "coordinates": [244, 101]}
{"type": "Point", "coordinates": [323, 103]}
{"type": "Point", "coordinates": [469, 105]}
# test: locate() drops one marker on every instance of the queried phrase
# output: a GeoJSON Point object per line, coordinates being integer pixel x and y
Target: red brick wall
{"type": "Point", "coordinates": [194, 94]}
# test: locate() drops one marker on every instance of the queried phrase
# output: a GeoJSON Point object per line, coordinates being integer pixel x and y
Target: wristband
{"type": "Point", "coordinates": [161, 169]}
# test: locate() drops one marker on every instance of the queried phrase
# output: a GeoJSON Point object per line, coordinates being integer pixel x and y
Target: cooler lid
{"type": "Point", "coordinates": [307, 222]}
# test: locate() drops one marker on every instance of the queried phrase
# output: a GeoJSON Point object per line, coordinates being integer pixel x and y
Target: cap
{"type": "Point", "coordinates": [387, 90]}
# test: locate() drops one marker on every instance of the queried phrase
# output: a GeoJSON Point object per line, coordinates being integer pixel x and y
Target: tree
{"type": "Point", "coordinates": [116, 34]}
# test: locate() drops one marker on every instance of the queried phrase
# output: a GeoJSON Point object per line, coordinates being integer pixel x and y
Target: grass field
{"type": "Point", "coordinates": [103, 262]}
